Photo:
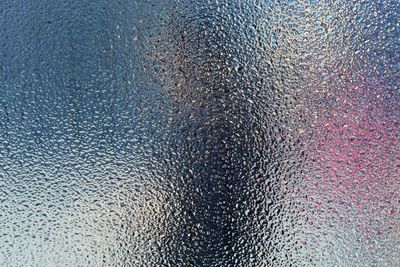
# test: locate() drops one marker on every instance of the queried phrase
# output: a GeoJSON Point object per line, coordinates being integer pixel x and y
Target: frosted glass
{"type": "Point", "coordinates": [199, 133]}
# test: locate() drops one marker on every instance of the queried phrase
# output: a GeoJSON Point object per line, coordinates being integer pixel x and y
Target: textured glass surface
{"type": "Point", "coordinates": [199, 133]}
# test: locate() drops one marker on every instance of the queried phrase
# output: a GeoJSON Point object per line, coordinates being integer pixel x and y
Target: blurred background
{"type": "Point", "coordinates": [199, 133]}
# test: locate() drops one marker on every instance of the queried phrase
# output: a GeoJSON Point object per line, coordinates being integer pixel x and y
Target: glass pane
{"type": "Point", "coordinates": [199, 133]}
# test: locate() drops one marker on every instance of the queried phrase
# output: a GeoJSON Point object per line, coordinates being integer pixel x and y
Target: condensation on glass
{"type": "Point", "coordinates": [199, 133]}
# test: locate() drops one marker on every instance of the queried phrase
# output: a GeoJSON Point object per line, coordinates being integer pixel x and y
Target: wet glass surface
{"type": "Point", "coordinates": [199, 133]}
